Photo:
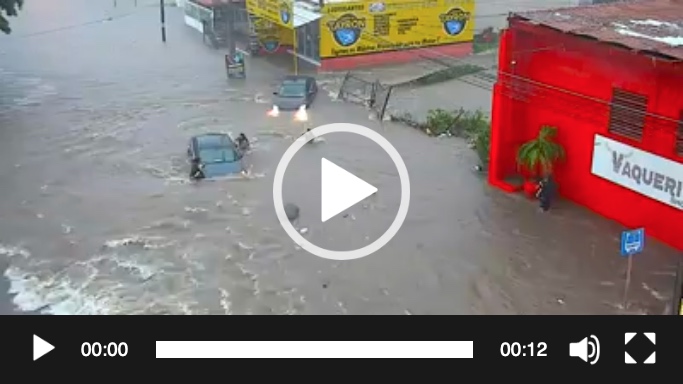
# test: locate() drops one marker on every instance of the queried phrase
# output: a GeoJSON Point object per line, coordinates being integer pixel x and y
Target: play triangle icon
{"type": "Point", "coordinates": [340, 190]}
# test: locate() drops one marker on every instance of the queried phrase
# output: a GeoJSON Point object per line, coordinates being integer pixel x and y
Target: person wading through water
{"type": "Point", "coordinates": [196, 172]}
{"type": "Point", "coordinates": [243, 143]}
{"type": "Point", "coordinates": [546, 192]}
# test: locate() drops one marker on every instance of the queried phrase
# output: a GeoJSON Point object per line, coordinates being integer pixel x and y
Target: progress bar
{"type": "Point", "coordinates": [314, 349]}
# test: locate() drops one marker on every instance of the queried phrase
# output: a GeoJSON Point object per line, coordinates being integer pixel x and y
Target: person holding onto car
{"type": "Point", "coordinates": [243, 142]}
{"type": "Point", "coordinates": [196, 172]}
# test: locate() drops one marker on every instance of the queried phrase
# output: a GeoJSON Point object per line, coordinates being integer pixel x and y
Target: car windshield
{"type": "Point", "coordinates": [217, 155]}
{"type": "Point", "coordinates": [293, 89]}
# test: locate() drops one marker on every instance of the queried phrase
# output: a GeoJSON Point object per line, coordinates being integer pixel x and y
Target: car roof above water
{"type": "Point", "coordinates": [296, 79]}
{"type": "Point", "coordinates": [212, 140]}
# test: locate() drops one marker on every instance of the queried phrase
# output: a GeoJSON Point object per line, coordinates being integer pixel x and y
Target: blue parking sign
{"type": "Point", "coordinates": [632, 242]}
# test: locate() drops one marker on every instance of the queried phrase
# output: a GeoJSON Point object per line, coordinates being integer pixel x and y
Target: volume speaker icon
{"type": "Point", "coordinates": [587, 349]}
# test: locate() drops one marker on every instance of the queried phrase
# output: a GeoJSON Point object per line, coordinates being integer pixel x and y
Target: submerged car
{"type": "Point", "coordinates": [217, 154]}
{"type": "Point", "coordinates": [294, 92]}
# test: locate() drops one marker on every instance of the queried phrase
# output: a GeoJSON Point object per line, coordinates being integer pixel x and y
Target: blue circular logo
{"type": "Point", "coordinates": [347, 29]}
{"type": "Point", "coordinates": [270, 43]}
{"type": "Point", "coordinates": [285, 13]}
{"type": "Point", "coordinates": [454, 21]}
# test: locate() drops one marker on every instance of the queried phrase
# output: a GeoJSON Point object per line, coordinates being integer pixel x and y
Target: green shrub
{"type": "Point", "coordinates": [482, 144]}
{"type": "Point", "coordinates": [440, 121]}
{"type": "Point", "coordinates": [471, 125]}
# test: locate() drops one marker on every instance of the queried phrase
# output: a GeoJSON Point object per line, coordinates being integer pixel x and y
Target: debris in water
{"type": "Point", "coordinates": [246, 211]}
{"type": "Point", "coordinates": [292, 211]}
{"type": "Point", "coordinates": [40, 216]}
{"type": "Point", "coordinates": [303, 231]}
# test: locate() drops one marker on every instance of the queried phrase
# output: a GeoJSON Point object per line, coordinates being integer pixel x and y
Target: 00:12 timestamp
{"type": "Point", "coordinates": [523, 350]}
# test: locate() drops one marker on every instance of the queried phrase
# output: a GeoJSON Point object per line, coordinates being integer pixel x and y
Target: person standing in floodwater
{"type": "Point", "coordinates": [546, 192]}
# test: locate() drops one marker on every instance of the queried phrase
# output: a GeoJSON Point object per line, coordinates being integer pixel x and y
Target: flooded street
{"type": "Point", "coordinates": [97, 215]}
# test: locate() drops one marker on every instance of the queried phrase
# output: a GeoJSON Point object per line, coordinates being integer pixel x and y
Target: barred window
{"type": "Point", "coordinates": [627, 114]}
{"type": "Point", "coordinates": [679, 136]}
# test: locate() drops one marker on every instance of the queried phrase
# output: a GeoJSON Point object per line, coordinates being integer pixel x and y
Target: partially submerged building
{"type": "Point", "coordinates": [610, 78]}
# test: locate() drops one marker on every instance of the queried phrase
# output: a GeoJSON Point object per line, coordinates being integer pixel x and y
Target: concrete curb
{"type": "Point", "coordinates": [423, 78]}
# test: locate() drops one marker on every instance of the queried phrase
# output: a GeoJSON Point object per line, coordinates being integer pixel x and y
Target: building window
{"type": "Point", "coordinates": [627, 114]}
{"type": "Point", "coordinates": [679, 136]}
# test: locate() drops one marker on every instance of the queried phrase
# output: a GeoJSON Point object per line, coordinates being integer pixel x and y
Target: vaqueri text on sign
{"type": "Point", "coordinates": [656, 177]}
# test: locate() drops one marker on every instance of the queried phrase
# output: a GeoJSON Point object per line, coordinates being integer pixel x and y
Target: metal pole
{"type": "Point", "coordinates": [296, 51]}
{"type": "Point", "coordinates": [162, 5]}
{"type": "Point", "coordinates": [628, 279]}
{"type": "Point", "coordinates": [232, 46]}
{"type": "Point", "coordinates": [677, 297]}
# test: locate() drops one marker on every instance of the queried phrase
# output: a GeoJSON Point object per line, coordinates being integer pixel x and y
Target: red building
{"type": "Point", "coordinates": [610, 78]}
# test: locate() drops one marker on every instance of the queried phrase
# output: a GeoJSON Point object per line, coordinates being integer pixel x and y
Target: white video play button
{"type": "Point", "coordinates": [335, 200]}
{"type": "Point", "coordinates": [340, 190]}
{"type": "Point", "coordinates": [40, 347]}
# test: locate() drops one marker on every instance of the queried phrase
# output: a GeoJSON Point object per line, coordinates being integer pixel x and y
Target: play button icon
{"type": "Point", "coordinates": [340, 190]}
{"type": "Point", "coordinates": [40, 347]}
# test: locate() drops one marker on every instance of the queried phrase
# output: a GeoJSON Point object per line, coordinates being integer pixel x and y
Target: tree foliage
{"type": "Point", "coordinates": [8, 8]}
{"type": "Point", "coordinates": [541, 153]}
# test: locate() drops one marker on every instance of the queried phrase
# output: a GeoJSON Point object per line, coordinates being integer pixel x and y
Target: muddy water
{"type": "Point", "coordinates": [97, 215]}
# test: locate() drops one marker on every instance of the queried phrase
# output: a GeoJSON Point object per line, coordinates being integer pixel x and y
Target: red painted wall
{"type": "Point", "coordinates": [571, 82]}
{"type": "Point", "coordinates": [395, 57]}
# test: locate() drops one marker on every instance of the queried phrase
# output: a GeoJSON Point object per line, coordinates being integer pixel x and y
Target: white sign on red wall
{"type": "Point", "coordinates": [656, 177]}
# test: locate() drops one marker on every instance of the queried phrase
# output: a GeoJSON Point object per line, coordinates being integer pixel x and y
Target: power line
{"type": "Point", "coordinates": [75, 26]}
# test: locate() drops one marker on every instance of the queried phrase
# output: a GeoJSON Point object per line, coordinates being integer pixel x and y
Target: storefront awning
{"type": "Point", "coordinates": [303, 15]}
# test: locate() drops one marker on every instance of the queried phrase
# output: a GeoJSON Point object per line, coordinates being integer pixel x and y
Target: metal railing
{"type": "Point", "coordinates": [372, 94]}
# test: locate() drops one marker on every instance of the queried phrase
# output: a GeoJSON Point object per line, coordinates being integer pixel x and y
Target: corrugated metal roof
{"type": "Point", "coordinates": [650, 25]}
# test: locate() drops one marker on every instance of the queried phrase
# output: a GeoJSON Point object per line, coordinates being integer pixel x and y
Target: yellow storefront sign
{"type": "Point", "coordinates": [356, 28]}
{"type": "Point", "coordinates": [278, 12]}
{"type": "Point", "coordinates": [270, 35]}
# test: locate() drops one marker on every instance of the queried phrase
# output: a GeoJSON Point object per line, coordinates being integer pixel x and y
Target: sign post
{"type": "Point", "coordinates": [632, 243]}
{"type": "Point", "coordinates": [677, 297]}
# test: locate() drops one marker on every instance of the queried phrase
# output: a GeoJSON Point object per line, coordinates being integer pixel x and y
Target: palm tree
{"type": "Point", "coordinates": [541, 153]}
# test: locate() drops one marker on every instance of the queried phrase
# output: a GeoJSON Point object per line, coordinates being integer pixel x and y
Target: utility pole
{"type": "Point", "coordinates": [295, 49]}
{"type": "Point", "coordinates": [163, 19]}
{"type": "Point", "coordinates": [232, 46]}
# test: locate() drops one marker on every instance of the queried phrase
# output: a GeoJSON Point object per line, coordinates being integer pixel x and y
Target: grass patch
{"type": "Point", "coordinates": [445, 75]}
{"type": "Point", "coordinates": [473, 126]}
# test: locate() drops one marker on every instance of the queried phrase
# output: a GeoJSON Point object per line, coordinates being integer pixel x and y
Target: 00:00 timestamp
{"type": "Point", "coordinates": [110, 349]}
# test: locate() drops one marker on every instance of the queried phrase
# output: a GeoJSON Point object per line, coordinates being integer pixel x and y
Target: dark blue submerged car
{"type": "Point", "coordinates": [216, 154]}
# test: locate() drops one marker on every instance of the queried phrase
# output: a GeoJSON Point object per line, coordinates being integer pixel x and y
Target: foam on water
{"type": "Point", "coordinates": [12, 251]}
{"type": "Point", "coordinates": [129, 277]}
{"type": "Point", "coordinates": [146, 242]}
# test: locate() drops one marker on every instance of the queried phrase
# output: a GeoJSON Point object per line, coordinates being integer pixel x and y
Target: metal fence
{"type": "Point", "coordinates": [372, 94]}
